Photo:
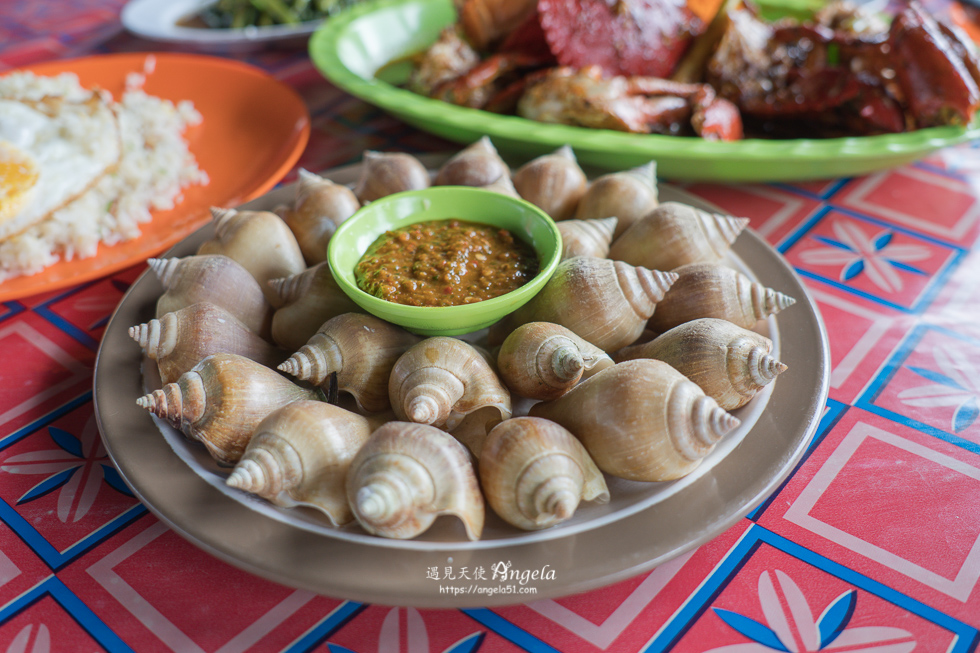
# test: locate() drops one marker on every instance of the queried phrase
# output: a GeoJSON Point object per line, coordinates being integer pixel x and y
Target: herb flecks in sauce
{"type": "Point", "coordinates": [445, 263]}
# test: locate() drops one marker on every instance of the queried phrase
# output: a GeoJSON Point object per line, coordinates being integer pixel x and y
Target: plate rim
{"type": "Point", "coordinates": [324, 53]}
{"type": "Point", "coordinates": [29, 285]}
{"type": "Point", "coordinates": [151, 19]}
{"type": "Point", "coordinates": [206, 519]}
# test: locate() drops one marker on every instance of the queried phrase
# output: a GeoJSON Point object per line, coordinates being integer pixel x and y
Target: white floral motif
{"type": "Point", "coordinates": [76, 468]}
{"type": "Point", "coordinates": [792, 628]}
{"type": "Point", "coordinates": [874, 255]}
{"type": "Point", "coordinates": [22, 642]}
{"type": "Point", "coordinates": [955, 382]}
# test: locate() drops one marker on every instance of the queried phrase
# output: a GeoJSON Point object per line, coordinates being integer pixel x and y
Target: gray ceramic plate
{"type": "Point", "coordinates": [644, 525]}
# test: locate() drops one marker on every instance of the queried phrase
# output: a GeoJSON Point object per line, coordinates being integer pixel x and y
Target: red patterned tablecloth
{"type": "Point", "coordinates": [872, 545]}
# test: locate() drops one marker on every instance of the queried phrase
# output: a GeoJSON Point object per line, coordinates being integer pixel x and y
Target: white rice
{"type": "Point", "coordinates": [154, 168]}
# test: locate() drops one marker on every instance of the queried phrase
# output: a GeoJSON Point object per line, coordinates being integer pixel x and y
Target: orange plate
{"type": "Point", "coordinates": [254, 129]}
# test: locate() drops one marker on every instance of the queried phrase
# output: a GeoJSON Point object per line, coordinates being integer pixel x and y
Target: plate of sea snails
{"type": "Point", "coordinates": [640, 404]}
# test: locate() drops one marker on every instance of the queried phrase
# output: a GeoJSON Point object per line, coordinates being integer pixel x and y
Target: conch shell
{"type": "Point", "coordinates": [628, 195]}
{"type": "Point", "coordinates": [361, 349]}
{"type": "Point", "coordinates": [299, 456]}
{"type": "Point", "coordinates": [306, 300]}
{"type": "Point", "coordinates": [729, 363]}
{"type": "Point", "coordinates": [715, 290]}
{"type": "Point", "coordinates": [440, 380]}
{"type": "Point", "coordinates": [605, 302]}
{"type": "Point", "coordinates": [503, 186]}
{"type": "Point", "coordinates": [552, 182]}
{"type": "Point", "coordinates": [179, 340]}
{"type": "Point", "coordinates": [476, 165]}
{"type": "Point", "coordinates": [319, 208]}
{"type": "Point", "coordinates": [587, 237]}
{"type": "Point", "coordinates": [260, 241]}
{"type": "Point", "coordinates": [542, 360]}
{"type": "Point", "coordinates": [221, 401]}
{"type": "Point", "coordinates": [387, 173]}
{"type": "Point", "coordinates": [408, 474]}
{"type": "Point", "coordinates": [216, 279]}
{"type": "Point", "coordinates": [675, 234]}
{"type": "Point", "coordinates": [641, 420]}
{"type": "Point", "coordinates": [534, 473]}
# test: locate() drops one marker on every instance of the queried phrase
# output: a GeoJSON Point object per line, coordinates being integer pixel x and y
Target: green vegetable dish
{"type": "Point", "coordinates": [236, 14]}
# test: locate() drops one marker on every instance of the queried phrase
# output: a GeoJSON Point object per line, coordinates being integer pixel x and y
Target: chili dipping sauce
{"type": "Point", "coordinates": [445, 263]}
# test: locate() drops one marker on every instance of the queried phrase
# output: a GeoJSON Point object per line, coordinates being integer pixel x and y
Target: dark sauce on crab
{"type": "Point", "coordinates": [445, 263]}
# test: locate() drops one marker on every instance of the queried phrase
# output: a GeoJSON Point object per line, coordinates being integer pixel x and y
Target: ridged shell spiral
{"type": "Point", "coordinates": [641, 420]}
{"type": "Point", "coordinates": [604, 302]}
{"type": "Point", "coordinates": [440, 380]}
{"type": "Point", "coordinates": [407, 475]}
{"type": "Point", "coordinates": [179, 340]}
{"type": "Point", "coordinates": [299, 456]}
{"type": "Point", "coordinates": [543, 360]}
{"type": "Point", "coordinates": [715, 290]}
{"type": "Point", "coordinates": [215, 279]}
{"type": "Point", "coordinates": [675, 234]}
{"type": "Point", "coordinates": [534, 473]}
{"type": "Point", "coordinates": [361, 349]}
{"type": "Point", "coordinates": [221, 401]}
{"type": "Point", "coordinates": [729, 363]}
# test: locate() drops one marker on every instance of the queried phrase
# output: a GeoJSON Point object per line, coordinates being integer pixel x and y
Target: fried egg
{"type": "Point", "coordinates": [52, 151]}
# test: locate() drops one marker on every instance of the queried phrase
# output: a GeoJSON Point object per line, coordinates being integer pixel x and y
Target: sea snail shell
{"type": "Point", "coordinates": [628, 194]}
{"type": "Point", "coordinates": [179, 340]}
{"type": "Point", "coordinates": [729, 363]}
{"type": "Point", "coordinates": [216, 279]}
{"type": "Point", "coordinates": [221, 401]}
{"type": "Point", "coordinates": [319, 208]}
{"type": "Point", "coordinates": [542, 360]}
{"type": "Point", "coordinates": [605, 302]}
{"type": "Point", "coordinates": [587, 237]}
{"type": "Point", "coordinates": [361, 348]}
{"type": "Point", "coordinates": [260, 241]}
{"type": "Point", "coordinates": [299, 456]}
{"type": "Point", "coordinates": [534, 473]}
{"type": "Point", "coordinates": [552, 182]}
{"type": "Point", "coordinates": [641, 420]}
{"type": "Point", "coordinates": [440, 380]}
{"type": "Point", "coordinates": [408, 474]}
{"type": "Point", "coordinates": [386, 173]}
{"type": "Point", "coordinates": [306, 300]}
{"type": "Point", "coordinates": [675, 234]}
{"type": "Point", "coordinates": [477, 164]}
{"type": "Point", "coordinates": [715, 290]}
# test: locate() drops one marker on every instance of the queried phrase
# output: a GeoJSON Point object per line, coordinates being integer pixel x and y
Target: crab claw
{"type": "Point", "coordinates": [935, 78]}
